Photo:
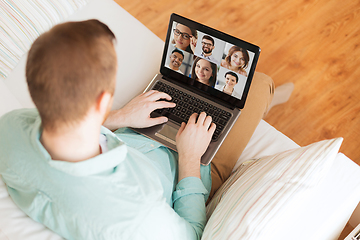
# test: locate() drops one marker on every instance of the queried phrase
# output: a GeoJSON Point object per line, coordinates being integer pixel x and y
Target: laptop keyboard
{"type": "Point", "coordinates": [186, 105]}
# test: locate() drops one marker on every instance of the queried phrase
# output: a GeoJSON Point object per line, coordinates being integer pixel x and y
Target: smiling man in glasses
{"type": "Point", "coordinates": [208, 45]}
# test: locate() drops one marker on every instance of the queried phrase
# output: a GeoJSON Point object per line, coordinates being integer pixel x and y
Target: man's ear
{"type": "Point", "coordinates": [103, 103]}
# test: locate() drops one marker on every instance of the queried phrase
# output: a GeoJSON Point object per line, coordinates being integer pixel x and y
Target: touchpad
{"type": "Point", "coordinates": [168, 133]}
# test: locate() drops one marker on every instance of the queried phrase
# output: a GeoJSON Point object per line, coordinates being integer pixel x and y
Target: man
{"type": "Point", "coordinates": [176, 59]}
{"type": "Point", "coordinates": [208, 45]}
{"type": "Point", "coordinates": [83, 181]}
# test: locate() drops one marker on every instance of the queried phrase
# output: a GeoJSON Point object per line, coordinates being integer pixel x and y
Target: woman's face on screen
{"type": "Point", "coordinates": [182, 35]}
{"type": "Point", "coordinates": [237, 59]}
{"type": "Point", "coordinates": [230, 80]}
{"type": "Point", "coordinates": [203, 70]}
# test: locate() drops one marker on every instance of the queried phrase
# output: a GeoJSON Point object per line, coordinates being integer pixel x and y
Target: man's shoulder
{"type": "Point", "coordinates": [15, 130]}
{"type": "Point", "coordinates": [25, 114]}
{"type": "Point", "coordinates": [15, 125]}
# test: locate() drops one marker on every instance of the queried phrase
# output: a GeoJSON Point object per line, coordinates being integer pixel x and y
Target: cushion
{"type": "Point", "coordinates": [130, 34]}
{"type": "Point", "coordinates": [257, 193]}
{"type": "Point", "coordinates": [23, 21]}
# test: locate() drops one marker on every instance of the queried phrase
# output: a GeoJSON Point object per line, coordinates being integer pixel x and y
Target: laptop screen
{"type": "Point", "coordinates": [212, 62]}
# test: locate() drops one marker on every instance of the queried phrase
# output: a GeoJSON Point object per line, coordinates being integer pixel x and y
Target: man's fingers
{"type": "Point", "coordinates": [207, 121]}
{"type": "Point", "coordinates": [192, 118]}
{"type": "Point", "coordinates": [163, 104]}
{"type": "Point", "coordinates": [212, 128]}
{"type": "Point", "coordinates": [201, 118]}
{"type": "Point", "coordinates": [154, 95]}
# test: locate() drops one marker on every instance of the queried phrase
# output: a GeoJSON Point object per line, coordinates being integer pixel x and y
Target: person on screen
{"type": "Point", "coordinates": [204, 71]}
{"type": "Point", "coordinates": [176, 59]}
{"type": "Point", "coordinates": [185, 38]}
{"type": "Point", "coordinates": [236, 60]}
{"type": "Point", "coordinates": [208, 45]}
{"type": "Point", "coordinates": [231, 79]}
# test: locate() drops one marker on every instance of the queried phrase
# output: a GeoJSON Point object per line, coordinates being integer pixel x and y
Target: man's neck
{"type": "Point", "coordinates": [73, 143]}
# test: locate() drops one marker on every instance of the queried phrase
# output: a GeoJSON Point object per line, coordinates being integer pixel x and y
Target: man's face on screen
{"type": "Point", "coordinates": [207, 46]}
{"type": "Point", "coordinates": [176, 60]}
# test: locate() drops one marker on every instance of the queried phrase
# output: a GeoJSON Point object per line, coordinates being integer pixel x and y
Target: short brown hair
{"type": "Point", "coordinates": [68, 68]}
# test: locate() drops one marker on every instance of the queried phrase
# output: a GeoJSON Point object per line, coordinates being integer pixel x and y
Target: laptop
{"type": "Point", "coordinates": [203, 70]}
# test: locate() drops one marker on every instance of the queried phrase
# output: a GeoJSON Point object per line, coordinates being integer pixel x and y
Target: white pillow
{"type": "Point", "coordinates": [23, 21]}
{"type": "Point", "coordinates": [259, 190]}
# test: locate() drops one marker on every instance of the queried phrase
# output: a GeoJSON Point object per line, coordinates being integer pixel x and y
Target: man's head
{"type": "Point", "coordinates": [68, 69]}
{"type": "Point", "coordinates": [208, 44]}
{"type": "Point", "coordinates": [176, 59]}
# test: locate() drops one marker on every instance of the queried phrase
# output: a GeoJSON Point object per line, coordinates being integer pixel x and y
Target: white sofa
{"type": "Point", "coordinates": [321, 213]}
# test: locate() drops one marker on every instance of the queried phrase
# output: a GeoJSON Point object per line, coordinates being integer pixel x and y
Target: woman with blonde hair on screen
{"type": "Point", "coordinates": [236, 60]}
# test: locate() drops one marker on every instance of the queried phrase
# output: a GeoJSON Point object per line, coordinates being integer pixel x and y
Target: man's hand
{"type": "Point", "coordinates": [137, 112]}
{"type": "Point", "coordinates": [192, 141]}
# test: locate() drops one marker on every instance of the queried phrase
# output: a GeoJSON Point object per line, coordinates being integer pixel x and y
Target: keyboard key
{"type": "Point", "coordinates": [225, 117]}
{"type": "Point", "coordinates": [219, 127]}
{"type": "Point", "coordinates": [174, 118]}
{"type": "Point", "coordinates": [222, 122]}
